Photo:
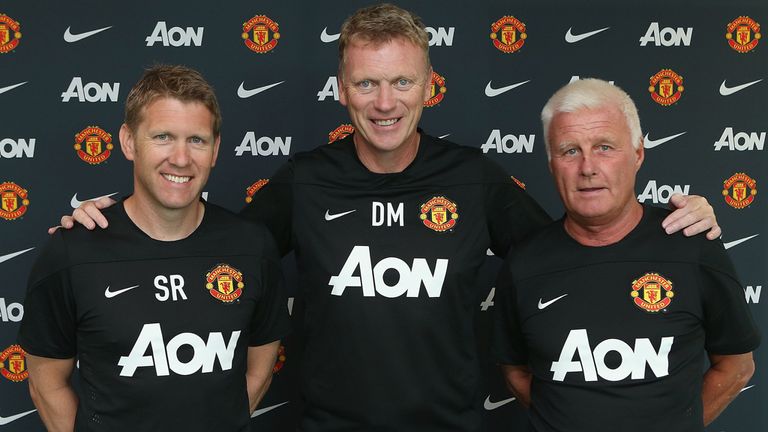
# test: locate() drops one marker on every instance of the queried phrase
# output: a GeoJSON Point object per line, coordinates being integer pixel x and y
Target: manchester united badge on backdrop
{"type": "Point", "coordinates": [666, 87]}
{"type": "Point", "coordinates": [508, 34]}
{"type": "Point", "coordinates": [340, 132]}
{"type": "Point", "coordinates": [10, 33]}
{"type": "Point", "coordinates": [255, 187]}
{"type": "Point", "coordinates": [743, 34]}
{"type": "Point", "coordinates": [93, 145]}
{"type": "Point", "coordinates": [652, 292]}
{"type": "Point", "coordinates": [437, 90]}
{"type": "Point", "coordinates": [13, 201]}
{"type": "Point", "coordinates": [13, 364]}
{"type": "Point", "coordinates": [439, 214]}
{"type": "Point", "coordinates": [224, 283]}
{"type": "Point", "coordinates": [739, 190]}
{"type": "Point", "coordinates": [260, 34]}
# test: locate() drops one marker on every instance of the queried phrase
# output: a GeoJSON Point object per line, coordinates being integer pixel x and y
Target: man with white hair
{"type": "Point", "coordinates": [609, 331]}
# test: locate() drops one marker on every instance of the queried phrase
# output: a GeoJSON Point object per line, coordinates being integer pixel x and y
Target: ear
{"type": "Point", "coordinates": [127, 142]}
{"type": "Point", "coordinates": [639, 154]}
{"type": "Point", "coordinates": [216, 144]}
{"type": "Point", "coordinates": [342, 89]}
{"type": "Point", "coordinates": [427, 86]}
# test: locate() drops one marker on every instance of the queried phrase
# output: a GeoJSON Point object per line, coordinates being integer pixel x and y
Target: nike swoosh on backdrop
{"type": "Point", "coordinates": [492, 92]}
{"type": "Point", "coordinates": [328, 38]}
{"type": "Point", "coordinates": [649, 143]}
{"type": "Point", "coordinates": [5, 420]}
{"type": "Point", "coordinates": [746, 388]}
{"type": "Point", "coordinates": [490, 406]}
{"type": "Point", "coordinates": [243, 93]}
{"type": "Point", "coordinates": [11, 87]}
{"type": "Point", "coordinates": [6, 257]}
{"type": "Point", "coordinates": [547, 303]}
{"type": "Point", "coordinates": [69, 37]}
{"type": "Point", "coordinates": [75, 203]}
{"type": "Point", "coordinates": [443, 136]}
{"type": "Point", "coordinates": [727, 91]}
{"type": "Point", "coordinates": [261, 411]}
{"type": "Point", "coordinates": [572, 38]}
{"type": "Point", "coordinates": [330, 217]}
{"type": "Point", "coordinates": [109, 294]}
{"type": "Point", "coordinates": [731, 244]}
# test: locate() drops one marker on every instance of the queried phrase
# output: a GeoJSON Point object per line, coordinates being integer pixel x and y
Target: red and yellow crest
{"type": "Point", "coordinates": [437, 90]}
{"type": "Point", "coordinates": [260, 34]}
{"type": "Point", "coordinates": [340, 132]}
{"type": "Point", "coordinates": [13, 201]}
{"type": "Point", "coordinates": [666, 87]}
{"type": "Point", "coordinates": [9, 33]}
{"type": "Point", "coordinates": [93, 145]}
{"type": "Point", "coordinates": [652, 292]}
{"type": "Point", "coordinates": [739, 190]}
{"type": "Point", "coordinates": [13, 363]}
{"type": "Point", "coordinates": [439, 214]}
{"type": "Point", "coordinates": [518, 182]}
{"type": "Point", "coordinates": [255, 187]}
{"type": "Point", "coordinates": [280, 362]}
{"type": "Point", "coordinates": [743, 34]}
{"type": "Point", "coordinates": [508, 34]}
{"type": "Point", "coordinates": [225, 283]}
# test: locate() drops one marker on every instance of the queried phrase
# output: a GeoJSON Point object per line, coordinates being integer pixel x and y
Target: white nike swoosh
{"type": "Point", "coordinates": [75, 203]}
{"type": "Point", "coordinates": [69, 37]}
{"type": "Point", "coordinates": [261, 411]}
{"type": "Point", "coordinates": [5, 420]}
{"type": "Point", "coordinates": [649, 143]}
{"type": "Point", "coordinates": [727, 91]}
{"type": "Point", "coordinates": [6, 257]}
{"type": "Point", "coordinates": [443, 136]}
{"type": "Point", "coordinates": [546, 304]}
{"type": "Point", "coordinates": [11, 87]}
{"type": "Point", "coordinates": [731, 244]}
{"type": "Point", "coordinates": [110, 294]}
{"type": "Point", "coordinates": [746, 388]}
{"type": "Point", "coordinates": [328, 38]}
{"type": "Point", "coordinates": [492, 92]}
{"type": "Point", "coordinates": [490, 406]}
{"type": "Point", "coordinates": [572, 38]}
{"type": "Point", "coordinates": [243, 93]}
{"type": "Point", "coordinates": [330, 217]}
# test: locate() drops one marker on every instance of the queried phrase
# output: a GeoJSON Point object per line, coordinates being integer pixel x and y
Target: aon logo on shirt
{"type": "Point", "coordinates": [592, 363]}
{"type": "Point", "coordinates": [358, 272]}
{"type": "Point", "coordinates": [165, 358]}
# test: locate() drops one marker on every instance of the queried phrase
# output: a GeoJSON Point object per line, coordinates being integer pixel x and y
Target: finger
{"type": "Point", "coordinates": [67, 222]}
{"type": "Point", "coordinates": [677, 201]}
{"type": "Point", "coordinates": [95, 214]}
{"type": "Point", "coordinates": [82, 217]}
{"type": "Point", "coordinates": [53, 229]}
{"type": "Point", "coordinates": [103, 202]}
{"type": "Point", "coordinates": [714, 233]}
{"type": "Point", "coordinates": [697, 228]}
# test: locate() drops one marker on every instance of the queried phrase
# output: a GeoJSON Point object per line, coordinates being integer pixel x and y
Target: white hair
{"type": "Point", "coordinates": [591, 93]}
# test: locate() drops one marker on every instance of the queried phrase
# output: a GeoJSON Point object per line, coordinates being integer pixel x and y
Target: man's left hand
{"type": "Point", "coordinates": [693, 215]}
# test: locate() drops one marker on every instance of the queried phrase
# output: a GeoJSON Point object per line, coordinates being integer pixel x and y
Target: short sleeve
{"type": "Point", "coordinates": [270, 319]}
{"type": "Point", "coordinates": [507, 342]}
{"type": "Point", "coordinates": [273, 207]}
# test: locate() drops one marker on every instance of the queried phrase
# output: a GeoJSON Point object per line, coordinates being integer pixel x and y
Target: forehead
{"type": "Point", "coordinates": [169, 112]}
{"type": "Point", "coordinates": [589, 121]}
{"type": "Point", "coordinates": [396, 56]}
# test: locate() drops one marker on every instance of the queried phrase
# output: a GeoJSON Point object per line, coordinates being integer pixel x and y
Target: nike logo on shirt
{"type": "Point", "coordinates": [109, 294]}
{"type": "Point", "coordinates": [727, 91]}
{"type": "Point", "coordinates": [75, 203]}
{"type": "Point", "coordinates": [5, 420]}
{"type": "Point", "coordinates": [572, 38]}
{"type": "Point", "coordinates": [731, 244]}
{"type": "Point", "coordinates": [543, 305]}
{"type": "Point", "coordinates": [490, 406]}
{"type": "Point", "coordinates": [11, 87]}
{"type": "Point", "coordinates": [6, 257]}
{"type": "Point", "coordinates": [328, 38]}
{"type": "Point", "coordinates": [69, 37]}
{"type": "Point", "coordinates": [492, 92]}
{"type": "Point", "coordinates": [330, 217]}
{"type": "Point", "coordinates": [649, 143]}
{"type": "Point", "coordinates": [261, 411]}
{"type": "Point", "coordinates": [244, 94]}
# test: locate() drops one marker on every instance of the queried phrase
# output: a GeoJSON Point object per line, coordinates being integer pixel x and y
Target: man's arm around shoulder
{"type": "Point", "coordinates": [52, 392]}
{"type": "Point", "coordinates": [518, 378]}
{"type": "Point", "coordinates": [723, 381]}
{"type": "Point", "coordinates": [261, 360]}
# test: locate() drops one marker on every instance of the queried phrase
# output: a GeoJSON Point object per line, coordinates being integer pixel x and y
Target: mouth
{"type": "Point", "coordinates": [177, 179]}
{"type": "Point", "coordinates": [386, 122]}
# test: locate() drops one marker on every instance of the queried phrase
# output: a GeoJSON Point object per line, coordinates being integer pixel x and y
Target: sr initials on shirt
{"type": "Point", "coordinates": [592, 363]}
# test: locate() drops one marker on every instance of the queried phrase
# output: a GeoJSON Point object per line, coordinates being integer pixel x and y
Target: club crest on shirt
{"type": "Point", "coordinates": [439, 214]}
{"type": "Point", "coordinates": [652, 292]}
{"type": "Point", "coordinates": [225, 283]}
{"type": "Point", "coordinates": [280, 361]}
{"type": "Point", "coordinates": [13, 363]}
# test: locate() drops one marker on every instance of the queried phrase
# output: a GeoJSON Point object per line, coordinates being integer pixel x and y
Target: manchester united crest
{"type": "Point", "coordinates": [13, 363]}
{"type": "Point", "coordinates": [508, 34]}
{"type": "Point", "coordinates": [13, 201]}
{"type": "Point", "coordinates": [225, 283]}
{"type": "Point", "coordinates": [340, 132]}
{"type": "Point", "coordinates": [10, 34]}
{"type": "Point", "coordinates": [93, 145]}
{"type": "Point", "coordinates": [739, 190]}
{"type": "Point", "coordinates": [260, 34]}
{"type": "Point", "coordinates": [437, 90]}
{"type": "Point", "coordinates": [652, 292]}
{"type": "Point", "coordinates": [255, 187]}
{"type": "Point", "coordinates": [439, 214]}
{"type": "Point", "coordinates": [743, 34]}
{"type": "Point", "coordinates": [666, 87]}
{"type": "Point", "coordinates": [280, 361]}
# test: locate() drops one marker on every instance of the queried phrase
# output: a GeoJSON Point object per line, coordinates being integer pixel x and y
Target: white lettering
{"type": "Point", "coordinates": [440, 36]}
{"type": "Point", "coordinates": [331, 89]}
{"type": "Point", "coordinates": [176, 36]}
{"type": "Point", "coordinates": [90, 92]}
{"type": "Point", "coordinates": [10, 148]}
{"type": "Point", "coordinates": [488, 302]}
{"type": "Point", "coordinates": [741, 141]}
{"type": "Point", "coordinates": [174, 291]}
{"type": "Point", "coordinates": [508, 143]}
{"type": "Point", "coordinates": [576, 78]}
{"type": "Point", "coordinates": [667, 36]}
{"type": "Point", "coordinates": [264, 146]}
{"type": "Point", "coordinates": [389, 214]}
{"type": "Point", "coordinates": [752, 293]}
{"type": "Point", "coordinates": [662, 193]}
{"type": "Point", "coordinates": [13, 312]}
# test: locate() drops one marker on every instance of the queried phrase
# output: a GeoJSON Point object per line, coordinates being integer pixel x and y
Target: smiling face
{"type": "Point", "coordinates": [173, 150]}
{"type": "Point", "coordinates": [594, 164]}
{"type": "Point", "coordinates": [384, 87]}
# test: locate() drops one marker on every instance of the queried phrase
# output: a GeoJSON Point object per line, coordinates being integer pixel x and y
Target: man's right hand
{"type": "Point", "coordinates": [88, 214]}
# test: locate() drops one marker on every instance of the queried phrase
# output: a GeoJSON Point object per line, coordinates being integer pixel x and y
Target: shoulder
{"type": "Point", "coordinates": [234, 228]}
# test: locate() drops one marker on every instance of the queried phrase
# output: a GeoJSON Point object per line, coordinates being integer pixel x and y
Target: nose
{"type": "Point", "coordinates": [179, 154]}
{"type": "Point", "coordinates": [587, 165]}
{"type": "Point", "coordinates": [385, 99]}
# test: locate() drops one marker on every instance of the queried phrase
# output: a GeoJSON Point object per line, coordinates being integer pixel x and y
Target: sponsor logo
{"type": "Point", "coordinates": [76, 203]}
{"type": "Point", "coordinates": [747, 34]}
{"type": "Point", "coordinates": [517, 182]}
{"type": "Point", "coordinates": [165, 358]}
{"type": "Point", "coordinates": [666, 87]}
{"type": "Point", "coordinates": [727, 91]}
{"type": "Point", "coordinates": [229, 283]}
{"type": "Point", "coordinates": [508, 143]}
{"type": "Point", "coordinates": [439, 214]}
{"type": "Point", "coordinates": [746, 388]}
{"type": "Point", "coordinates": [592, 364]}
{"type": "Point", "coordinates": [739, 190]}
{"type": "Point", "coordinates": [17, 148]}
{"type": "Point", "coordinates": [93, 145]}
{"type": "Point", "coordinates": [731, 244]}
{"type": "Point", "coordinates": [742, 141]}
{"type": "Point", "coordinates": [242, 93]}
{"type": "Point", "coordinates": [382, 213]}
{"type": "Point", "coordinates": [444, 136]}
{"type": "Point", "coordinates": [264, 146]}
{"type": "Point", "coordinates": [667, 36]}
{"type": "Point", "coordinates": [440, 36]}
{"type": "Point", "coordinates": [661, 194]}
{"type": "Point", "coordinates": [330, 217]}
{"type": "Point", "coordinates": [371, 279]}
{"type": "Point", "coordinates": [13, 364]}
{"type": "Point", "coordinates": [253, 188]}
{"type": "Point", "coordinates": [340, 132]}
{"type": "Point", "coordinates": [13, 201]}
{"type": "Point", "coordinates": [91, 92]}
{"type": "Point", "coordinates": [13, 312]}
{"type": "Point", "coordinates": [576, 78]}
{"type": "Point", "coordinates": [752, 293]}
{"type": "Point", "coordinates": [70, 37]}
{"type": "Point", "coordinates": [437, 90]}
{"type": "Point", "coordinates": [6, 257]}
{"type": "Point", "coordinates": [490, 406]}
{"type": "Point", "coordinates": [260, 34]}
{"type": "Point", "coordinates": [175, 36]}
{"type": "Point", "coordinates": [10, 419]}
{"type": "Point", "coordinates": [325, 37]}
{"type": "Point", "coordinates": [651, 143]}
{"type": "Point", "coordinates": [261, 411]}
{"type": "Point", "coordinates": [493, 92]}
{"type": "Point", "coordinates": [331, 89]}
{"type": "Point", "coordinates": [9, 33]}
{"type": "Point", "coordinates": [573, 38]}
{"type": "Point", "coordinates": [508, 34]}
{"type": "Point", "coordinates": [652, 292]}
{"type": "Point", "coordinates": [280, 360]}
{"type": "Point", "coordinates": [110, 294]}
{"type": "Point", "coordinates": [11, 87]}
{"type": "Point", "coordinates": [544, 304]}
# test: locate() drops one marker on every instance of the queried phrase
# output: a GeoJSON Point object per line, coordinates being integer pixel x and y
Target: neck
{"type": "Point", "coordinates": [387, 162]}
{"type": "Point", "coordinates": [164, 224]}
{"type": "Point", "coordinates": [603, 233]}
